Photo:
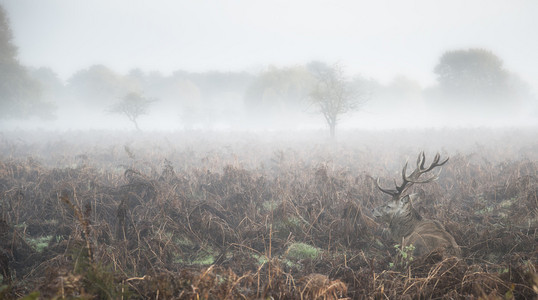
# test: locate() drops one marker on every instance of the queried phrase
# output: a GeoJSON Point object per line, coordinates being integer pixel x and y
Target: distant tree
{"type": "Point", "coordinates": [476, 80]}
{"type": "Point", "coordinates": [471, 72]}
{"type": "Point", "coordinates": [277, 92]}
{"type": "Point", "coordinates": [333, 94]}
{"type": "Point", "coordinates": [20, 95]}
{"type": "Point", "coordinates": [47, 78]}
{"type": "Point", "coordinates": [133, 105]}
{"type": "Point", "coordinates": [97, 86]}
{"type": "Point", "coordinates": [52, 88]}
{"type": "Point", "coordinates": [135, 80]}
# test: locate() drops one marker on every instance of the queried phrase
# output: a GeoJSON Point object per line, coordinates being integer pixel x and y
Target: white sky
{"type": "Point", "coordinates": [378, 39]}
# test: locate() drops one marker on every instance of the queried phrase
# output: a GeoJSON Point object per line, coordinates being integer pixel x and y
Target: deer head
{"type": "Point", "coordinates": [401, 204]}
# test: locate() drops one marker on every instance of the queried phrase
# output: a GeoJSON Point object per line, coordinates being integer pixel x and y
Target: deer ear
{"type": "Point", "coordinates": [405, 199]}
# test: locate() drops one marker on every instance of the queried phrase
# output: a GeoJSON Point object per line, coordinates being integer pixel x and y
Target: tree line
{"type": "Point", "coordinates": [466, 78]}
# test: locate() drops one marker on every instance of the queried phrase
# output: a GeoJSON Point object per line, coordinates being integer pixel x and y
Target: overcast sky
{"type": "Point", "coordinates": [378, 39]}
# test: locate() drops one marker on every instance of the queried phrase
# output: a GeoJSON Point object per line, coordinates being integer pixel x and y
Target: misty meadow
{"type": "Point", "coordinates": [271, 150]}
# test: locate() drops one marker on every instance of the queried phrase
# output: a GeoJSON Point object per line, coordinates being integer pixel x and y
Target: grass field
{"type": "Point", "coordinates": [220, 215]}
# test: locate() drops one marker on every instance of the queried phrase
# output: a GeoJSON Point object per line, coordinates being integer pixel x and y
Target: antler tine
{"type": "Point", "coordinates": [404, 172]}
{"type": "Point", "coordinates": [435, 160]}
{"type": "Point", "coordinates": [405, 182]}
{"type": "Point", "coordinates": [444, 162]}
{"type": "Point", "coordinates": [421, 160]}
{"type": "Point", "coordinates": [393, 193]}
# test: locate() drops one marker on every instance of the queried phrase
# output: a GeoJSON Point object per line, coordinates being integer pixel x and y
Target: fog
{"type": "Point", "coordinates": [246, 65]}
{"type": "Point", "coordinates": [247, 149]}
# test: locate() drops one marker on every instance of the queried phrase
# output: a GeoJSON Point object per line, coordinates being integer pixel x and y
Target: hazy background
{"type": "Point", "coordinates": [248, 64]}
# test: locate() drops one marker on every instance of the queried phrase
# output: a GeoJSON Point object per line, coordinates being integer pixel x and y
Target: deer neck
{"type": "Point", "coordinates": [403, 224]}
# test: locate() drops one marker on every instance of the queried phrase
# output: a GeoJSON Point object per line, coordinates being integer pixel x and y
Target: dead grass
{"type": "Point", "coordinates": [189, 223]}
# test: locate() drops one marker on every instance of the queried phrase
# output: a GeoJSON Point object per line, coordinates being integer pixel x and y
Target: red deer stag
{"type": "Point", "coordinates": [406, 225]}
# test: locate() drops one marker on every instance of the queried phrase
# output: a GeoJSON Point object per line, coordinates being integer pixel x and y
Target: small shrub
{"type": "Point", "coordinates": [405, 255]}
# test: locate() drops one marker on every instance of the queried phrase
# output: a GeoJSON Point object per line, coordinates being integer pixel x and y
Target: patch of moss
{"type": "Point", "coordinates": [183, 241]}
{"type": "Point", "coordinates": [298, 251]}
{"type": "Point", "coordinates": [39, 243]}
{"type": "Point", "coordinates": [262, 259]}
{"type": "Point", "coordinates": [270, 205]}
{"type": "Point", "coordinates": [203, 257]}
{"type": "Point", "coordinates": [291, 264]}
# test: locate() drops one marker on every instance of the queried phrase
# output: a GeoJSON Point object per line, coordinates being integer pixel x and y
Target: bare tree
{"type": "Point", "coordinates": [132, 105]}
{"type": "Point", "coordinates": [21, 96]}
{"type": "Point", "coordinates": [333, 94]}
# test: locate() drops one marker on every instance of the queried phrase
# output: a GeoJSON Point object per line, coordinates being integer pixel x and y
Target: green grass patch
{"type": "Point", "coordinates": [21, 226]}
{"type": "Point", "coordinates": [205, 256]}
{"type": "Point", "coordinates": [183, 241]}
{"type": "Point", "coordinates": [39, 243]}
{"type": "Point", "coordinates": [262, 259]}
{"type": "Point", "coordinates": [298, 251]}
{"type": "Point", "coordinates": [270, 205]}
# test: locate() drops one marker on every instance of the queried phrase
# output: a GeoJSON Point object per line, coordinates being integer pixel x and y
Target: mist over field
{"type": "Point", "coordinates": [236, 65]}
{"type": "Point", "coordinates": [268, 149]}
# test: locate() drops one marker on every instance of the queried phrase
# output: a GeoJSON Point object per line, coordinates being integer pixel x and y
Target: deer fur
{"type": "Point", "coordinates": [408, 227]}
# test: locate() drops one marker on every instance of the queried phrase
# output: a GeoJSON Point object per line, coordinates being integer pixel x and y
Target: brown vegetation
{"type": "Point", "coordinates": [246, 219]}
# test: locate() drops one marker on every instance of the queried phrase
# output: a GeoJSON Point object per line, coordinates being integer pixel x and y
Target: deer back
{"type": "Point", "coordinates": [430, 235]}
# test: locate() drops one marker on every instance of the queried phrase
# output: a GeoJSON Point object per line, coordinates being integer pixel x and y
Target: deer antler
{"type": "Point", "coordinates": [408, 181]}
